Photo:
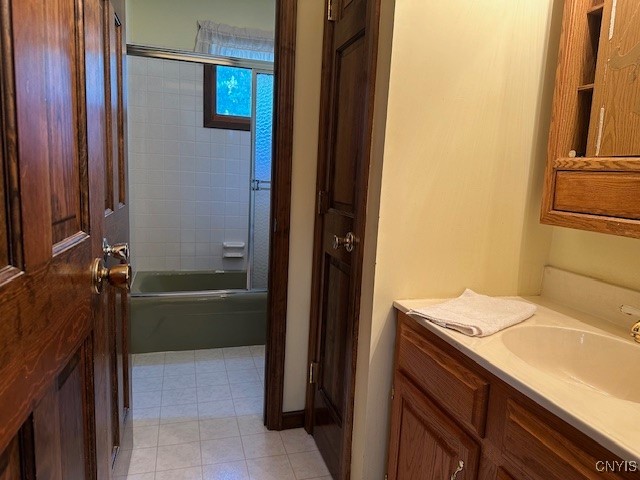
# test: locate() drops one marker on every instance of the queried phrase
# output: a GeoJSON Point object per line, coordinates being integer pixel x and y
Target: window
{"type": "Point", "coordinates": [227, 97]}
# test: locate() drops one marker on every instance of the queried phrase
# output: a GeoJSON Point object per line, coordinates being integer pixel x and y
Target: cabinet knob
{"type": "Point", "coordinates": [454, 475]}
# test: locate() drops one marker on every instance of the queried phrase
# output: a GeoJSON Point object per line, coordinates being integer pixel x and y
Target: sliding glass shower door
{"type": "Point", "coordinates": [262, 147]}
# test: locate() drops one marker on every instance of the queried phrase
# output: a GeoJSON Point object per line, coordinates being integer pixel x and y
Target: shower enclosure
{"type": "Point", "coordinates": [200, 218]}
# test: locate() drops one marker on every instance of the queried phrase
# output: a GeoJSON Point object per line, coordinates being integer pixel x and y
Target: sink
{"type": "Point", "coordinates": [607, 365]}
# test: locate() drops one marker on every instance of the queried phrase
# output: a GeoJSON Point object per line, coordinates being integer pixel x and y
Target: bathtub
{"type": "Point", "coordinates": [195, 310]}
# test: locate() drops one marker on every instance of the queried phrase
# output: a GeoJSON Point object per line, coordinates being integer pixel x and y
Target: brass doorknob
{"type": "Point", "coordinates": [118, 276]}
{"type": "Point", "coordinates": [119, 251]}
{"type": "Point", "coordinates": [348, 242]}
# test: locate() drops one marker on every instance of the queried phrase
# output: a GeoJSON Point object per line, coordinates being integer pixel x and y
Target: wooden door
{"type": "Point", "coordinates": [116, 212]}
{"type": "Point", "coordinates": [53, 351]}
{"type": "Point", "coordinates": [425, 444]}
{"type": "Point", "coordinates": [350, 46]}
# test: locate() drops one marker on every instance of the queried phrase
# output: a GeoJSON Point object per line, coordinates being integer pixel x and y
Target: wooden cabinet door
{"type": "Point", "coordinates": [425, 443]}
{"type": "Point", "coordinates": [616, 114]}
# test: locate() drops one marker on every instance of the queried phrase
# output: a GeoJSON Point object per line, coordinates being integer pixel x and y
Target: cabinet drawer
{"type": "Point", "coordinates": [528, 440]}
{"type": "Point", "coordinates": [457, 389]}
{"type": "Point", "coordinates": [611, 194]}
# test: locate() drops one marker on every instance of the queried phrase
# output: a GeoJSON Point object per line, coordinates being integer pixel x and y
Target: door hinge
{"type": "Point", "coordinates": [386, 477]}
{"type": "Point", "coordinates": [330, 13]}
{"type": "Point", "coordinates": [322, 202]}
{"type": "Point", "coordinates": [393, 392]}
{"type": "Point", "coordinates": [313, 372]}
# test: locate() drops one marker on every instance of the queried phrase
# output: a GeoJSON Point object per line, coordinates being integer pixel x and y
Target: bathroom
{"type": "Point", "coordinates": [501, 247]}
{"type": "Point", "coordinates": [224, 348]}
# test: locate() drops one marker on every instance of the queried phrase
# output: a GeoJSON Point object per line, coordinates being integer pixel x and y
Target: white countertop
{"type": "Point", "coordinates": [612, 422]}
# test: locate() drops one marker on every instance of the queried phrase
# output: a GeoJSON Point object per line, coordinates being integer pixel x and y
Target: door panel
{"type": "Point", "coordinates": [59, 425]}
{"type": "Point", "coordinates": [4, 216]}
{"type": "Point", "coordinates": [64, 70]}
{"type": "Point", "coordinates": [10, 468]}
{"type": "Point", "coordinates": [334, 335]}
{"type": "Point", "coordinates": [350, 44]}
{"type": "Point", "coordinates": [349, 120]}
{"type": "Point", "coordinates": [425, 444]}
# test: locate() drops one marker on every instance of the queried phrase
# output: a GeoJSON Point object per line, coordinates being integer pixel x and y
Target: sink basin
{"type": "Point", "coordinates": [607, 365]}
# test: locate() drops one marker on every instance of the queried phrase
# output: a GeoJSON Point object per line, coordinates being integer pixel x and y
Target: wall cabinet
{"type": "Point", "coordinates": [446, 409]}
{"type": "Point", "coordinates": [592, 179]}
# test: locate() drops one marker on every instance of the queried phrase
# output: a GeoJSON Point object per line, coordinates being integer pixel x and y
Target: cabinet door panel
{"type": "Point", "coordinates": [425, 443]}
{"type": "Point", "coordinates": [618, 102]}
{"type": "Point", "coordinates": [547, 454]}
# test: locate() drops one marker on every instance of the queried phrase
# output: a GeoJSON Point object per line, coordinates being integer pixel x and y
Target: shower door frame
{"type": "Point", "coordinates": [252, 194]}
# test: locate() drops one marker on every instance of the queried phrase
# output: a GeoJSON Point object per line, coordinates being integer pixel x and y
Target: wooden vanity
{"type": "Point", "coordinates": [448, 409]}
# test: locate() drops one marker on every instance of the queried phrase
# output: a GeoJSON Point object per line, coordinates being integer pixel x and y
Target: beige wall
{"type": "Point", "coordinates": [468, 109]}
{"type": "Point", "coordinates": [305, 150]}
{"type": "Point", "coordinates": [611, 259]}
{"type": "Point", "coordinates": [172, 24]}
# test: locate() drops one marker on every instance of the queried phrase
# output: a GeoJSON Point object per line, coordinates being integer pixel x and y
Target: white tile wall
{"type": "Point", "coordinates": [189, 185]}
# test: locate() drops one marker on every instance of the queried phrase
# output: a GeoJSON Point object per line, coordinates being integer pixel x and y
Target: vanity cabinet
{"type": "Point", "coordinates": [428, 444]}
{"type": "Point", "coordinates": [447, 409]}
{"type": "Point", "coordinates": [592, 179]}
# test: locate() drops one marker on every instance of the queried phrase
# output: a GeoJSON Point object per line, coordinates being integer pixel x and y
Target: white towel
{"type": "Point", "coordinates": [477, 315]}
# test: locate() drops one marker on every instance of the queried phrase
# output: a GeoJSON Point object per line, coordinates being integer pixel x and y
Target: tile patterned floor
{"type": "Point", "coordinates": [197, 416]}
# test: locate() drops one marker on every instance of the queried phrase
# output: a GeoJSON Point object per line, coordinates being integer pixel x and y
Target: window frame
{"type": "Point", "coordinates": [212, 119]}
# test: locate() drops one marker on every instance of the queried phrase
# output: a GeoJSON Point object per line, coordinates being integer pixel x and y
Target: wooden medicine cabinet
{"type": "Point", "coordinates": [592, 179]}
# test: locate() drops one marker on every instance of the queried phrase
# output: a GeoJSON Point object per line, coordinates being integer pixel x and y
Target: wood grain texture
{"type": "Point", "coordinates": [4, 217]}
{"type": "Point", "coordinates": [63, 68]}
{"type": "Point", "coordinates": [53, 353]}
{"type": "Point", "coordinates": [502, 474]}
{"type": "Point", "coordinates": [10, 461]}
{"type": "Point", "coordinates": [284, 83]}
{"type": "Point", "coordinates": [611, 194]}
{"type": "Point", "coordinates": [114, 342]}
{"type": "Point", "coordinates": [602, 164]}
{"type": "Point", "coordinates": [350, 47]}
{"type": "Point", "coordinates": [30, 58]}
{"type": "Point", "coordinates": [522, 439]}
{"type": "Point", "coordinates": [11, 230]}
{"type": "Point", "coordinates": [463, 393]}
{"type": "Point", "coordinates": [586, 56]}
{"type": "Point", "coordinates": [546, 453]}
{"type": "Point", "coordinates": [619, 85]}
{"type": "Point", "coordinates": [425, 443]}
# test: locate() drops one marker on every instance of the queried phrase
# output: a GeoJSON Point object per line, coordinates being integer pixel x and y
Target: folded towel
{"type": "Point", "coordinates": [477, 315]}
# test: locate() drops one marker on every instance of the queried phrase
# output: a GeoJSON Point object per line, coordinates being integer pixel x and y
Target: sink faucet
{"type": "Point", "coordinates": [635, 329]}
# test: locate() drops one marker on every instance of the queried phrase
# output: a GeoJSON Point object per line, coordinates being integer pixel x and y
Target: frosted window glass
{"type": "Point", "coordinates": [262, 172]}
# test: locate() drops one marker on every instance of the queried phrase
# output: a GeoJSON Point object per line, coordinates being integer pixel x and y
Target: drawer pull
{"type": "Point", "coordinates": [454, 475]}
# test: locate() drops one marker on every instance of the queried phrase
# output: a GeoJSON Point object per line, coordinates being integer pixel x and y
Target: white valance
{"type": "Point", "coordinates": [227, 41]}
